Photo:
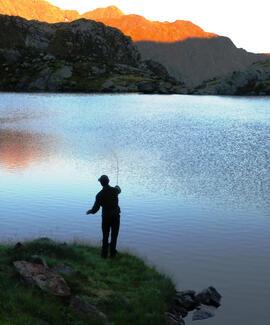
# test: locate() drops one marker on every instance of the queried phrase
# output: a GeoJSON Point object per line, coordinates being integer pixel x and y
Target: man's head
{"type": "Point", "coordinates": [104, 180]}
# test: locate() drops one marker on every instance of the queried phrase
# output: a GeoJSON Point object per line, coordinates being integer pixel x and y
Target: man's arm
{"type": "Point", "coordinates": [118, 189]}
{"type": "Point", "coordinates": [95, 207]}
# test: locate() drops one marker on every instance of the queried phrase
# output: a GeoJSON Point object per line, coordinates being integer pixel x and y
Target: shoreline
{"type": "Point", "coordinates": [39, 92]}
{"type": "Point", "coordinates": [42, 275]}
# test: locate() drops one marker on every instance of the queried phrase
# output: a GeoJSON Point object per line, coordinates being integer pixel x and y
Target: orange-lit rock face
{"type": "Point", "coordinates": [110, 12]}
{"type": "Point", "coordinates": [137, 27]}
{"type": "Point", "coordinates": [36, 9]}
{"type": "Point", "coordinates": [18, 149]}
{"type": "Point", "coordinates": [141, 29]}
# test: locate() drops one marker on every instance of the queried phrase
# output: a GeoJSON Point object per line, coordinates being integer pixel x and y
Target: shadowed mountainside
{"type": "Point", "coordinates": [195, 60]}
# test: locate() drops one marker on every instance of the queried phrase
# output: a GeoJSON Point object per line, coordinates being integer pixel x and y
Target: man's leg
{"type": "Point", "coordinates": [105, 232]}
{"type": "Point", "coordinates": [115, 225]}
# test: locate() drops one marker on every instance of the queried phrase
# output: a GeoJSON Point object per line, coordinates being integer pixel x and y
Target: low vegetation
{"type": "Point", "coordinates": [125, 289]}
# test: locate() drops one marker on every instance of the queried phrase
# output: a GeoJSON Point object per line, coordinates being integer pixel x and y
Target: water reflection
{"type": "Point", "coordinates": [20, 149]}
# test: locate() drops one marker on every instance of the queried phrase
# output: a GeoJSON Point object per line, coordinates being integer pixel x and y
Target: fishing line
{"type": "Point", "coordinates": [117, 165]}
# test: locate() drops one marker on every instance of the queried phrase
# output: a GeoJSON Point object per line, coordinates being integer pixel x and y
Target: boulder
{"type": "Point", "coordinates": [108, 84]}
{"type": "Point", "coordinates": [11, 55]}
{"type": "Point", "coordinates": [172, 319]}
{"type": "Point", "coordinates": [147, 87]}
{"type": "Point", "coordinates": [190, 293]}
{"type": "Point", "coordinates": [38, 260]}
{"type": "Point", "coordinates": [95, 70]}
{"type": "Point", "coordinates": [63, 73]}
{"type": "Point", "coordinates": [41, 276]}
{"type": "Point", "coordinates": [81, 305]}
{"type": "Point", "coordinates": [63, 269]}
{"type": "Point", "coordinates": [203, 312]}
{"type": "Point", "coordinates": [177, 309]}
{"type": "Point", "coordinates": [209, 297]}
{"type": "Point", "coordinates": [156, 68]}
{"type": "Point", "coordinates": [186, 300]}
{"type": "Point", "coordinates": [49, 57]}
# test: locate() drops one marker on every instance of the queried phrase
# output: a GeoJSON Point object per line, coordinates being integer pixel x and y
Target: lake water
{"type": "Point", "coordinates": [195, 179]}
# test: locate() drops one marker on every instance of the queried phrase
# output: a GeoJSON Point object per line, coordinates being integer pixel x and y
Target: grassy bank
{"type": "Point", "coordinates": [124, 288]}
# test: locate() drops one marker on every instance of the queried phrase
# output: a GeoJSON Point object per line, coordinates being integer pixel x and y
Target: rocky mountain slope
{"type": "Point", "coordinates": [253, 81]}
{"type": "Point", "coordinates": [82, 55]}
{"type": "Point", "coordinates": [189, 54]}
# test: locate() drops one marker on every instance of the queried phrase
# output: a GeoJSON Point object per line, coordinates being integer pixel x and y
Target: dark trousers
{"type": "Point", "coordinates": [110, 223]}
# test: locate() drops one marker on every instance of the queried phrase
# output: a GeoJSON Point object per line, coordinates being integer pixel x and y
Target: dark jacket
{"type": "Point", "coordinates": [107, 198]}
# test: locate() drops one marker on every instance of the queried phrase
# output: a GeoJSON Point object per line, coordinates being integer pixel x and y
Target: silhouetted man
{"type": "Point", "coordinates": [107, 198]}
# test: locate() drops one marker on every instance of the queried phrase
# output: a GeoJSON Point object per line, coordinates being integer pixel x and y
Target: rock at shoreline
{"type": "Point", "coordinates": [186, 299]}
{"type": "Point", "coordinates": [205, 303]}
{"type": "Point", "coordinates": [204, 312]}
{"type": "Point", "coordinates": [209, 297]}
{"type": "Point", "coordinates": [173, 319]}
{"type": "Point", "coordinates": [41, 276]}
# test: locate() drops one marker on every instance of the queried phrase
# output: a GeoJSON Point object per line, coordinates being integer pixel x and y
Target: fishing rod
{"type": "Point", "coordinates": [117, 165]}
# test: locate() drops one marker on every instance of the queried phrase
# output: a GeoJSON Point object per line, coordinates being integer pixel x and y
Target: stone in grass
{"type": "Point", "coordinates": [204, 312]}
{"type": "Point", "coordinates": [38, 260]}
{"type": "Point", "coordinates": [81, 305]}
{"type": "Point", "coordinates": [209, 297]}
{"type": "Point", "coordinates": [41, 276]}
{"type": "Point", "coordinates": [63, 269]}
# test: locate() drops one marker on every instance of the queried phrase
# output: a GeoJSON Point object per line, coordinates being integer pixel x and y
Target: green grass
{"type": "Point", "coordinates": [125, 289]}
{"type": "Point", "coordinates": [265, 64]}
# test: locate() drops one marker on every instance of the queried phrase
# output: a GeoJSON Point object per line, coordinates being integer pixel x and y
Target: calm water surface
{"type": "Point", "coordinates": [195, 178]}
